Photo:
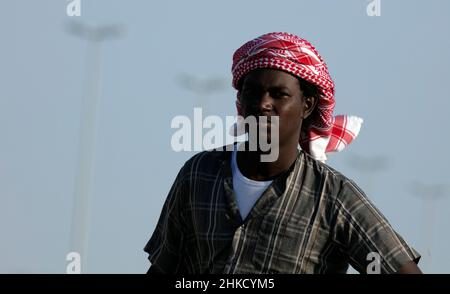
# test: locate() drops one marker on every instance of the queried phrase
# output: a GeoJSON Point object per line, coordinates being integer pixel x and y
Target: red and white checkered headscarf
{"type": "Point", "coordinates": [297, 56]}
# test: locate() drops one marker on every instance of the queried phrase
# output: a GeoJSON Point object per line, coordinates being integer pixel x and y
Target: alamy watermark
{"type": "Point", "coordinates": [374, 8]}
{"type": "Point", "coordinates": [73, 8]}
{"type": "Point", "coordinates": [374, 267]}
{"type": "Point", "coordinates": [74, 265]}
{"type": "Point", "coordinates": [262, 133]}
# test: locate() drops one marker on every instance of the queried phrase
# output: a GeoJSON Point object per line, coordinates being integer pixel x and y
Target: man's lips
{"type": "Point", "coordinates": [264, 120]}
{"type": "Point", "coordinates": [267, 118]}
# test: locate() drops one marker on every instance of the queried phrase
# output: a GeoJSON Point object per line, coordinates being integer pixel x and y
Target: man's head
{"type": "Point", "coordinates": [271, 92]}
{"type": "Point", "coordinates": [292, 55]}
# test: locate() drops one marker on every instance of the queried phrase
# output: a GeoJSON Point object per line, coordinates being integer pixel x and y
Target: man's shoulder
{"type": "Point", "coordinates": [322, 169]}
{"type": "Point", "coordinates": [348, 191]}
{"type": "Point", "coordinates": [342, 186]}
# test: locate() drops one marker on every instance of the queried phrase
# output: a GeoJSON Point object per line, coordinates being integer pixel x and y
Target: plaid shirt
{"type": "Point", "coordinates": [311, 219]}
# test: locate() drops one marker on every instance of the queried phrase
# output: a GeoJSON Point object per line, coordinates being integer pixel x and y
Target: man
{"type": "Point", "coordinates": [231, 212]}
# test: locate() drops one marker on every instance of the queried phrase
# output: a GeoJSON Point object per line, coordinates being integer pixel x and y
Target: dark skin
{"type": "Point", "coordinates": [410, 268]}
{"type": "Point", "coordinates": [271, 92]}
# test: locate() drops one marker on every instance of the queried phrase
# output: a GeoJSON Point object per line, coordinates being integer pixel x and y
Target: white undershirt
{"type": "Point", "coordinates": [247, 191]}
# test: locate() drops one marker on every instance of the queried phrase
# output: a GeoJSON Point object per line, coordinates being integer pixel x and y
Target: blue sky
{"type": "Point", "coordinates": [391, 70]}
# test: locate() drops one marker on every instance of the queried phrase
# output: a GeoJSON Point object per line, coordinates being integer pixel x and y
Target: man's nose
{"type": "Point", "coordinates": [265, 102]}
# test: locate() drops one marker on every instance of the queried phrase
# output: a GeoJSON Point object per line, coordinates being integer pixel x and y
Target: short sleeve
{"type": "Point", "coordinates": [365, 234]}
{"type": "Point", "coordinates": [166, 243]}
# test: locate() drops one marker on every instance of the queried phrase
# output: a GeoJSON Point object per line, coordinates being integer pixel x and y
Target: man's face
{"type": "Point", "coordinates": [271, 92]}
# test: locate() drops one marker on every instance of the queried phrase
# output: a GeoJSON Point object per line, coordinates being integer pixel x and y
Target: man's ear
{"type": "Point", "coordinates": [309, 105]}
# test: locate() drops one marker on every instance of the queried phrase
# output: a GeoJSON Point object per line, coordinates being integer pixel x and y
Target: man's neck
{"type": "Point", "coordinates": [250, 165]}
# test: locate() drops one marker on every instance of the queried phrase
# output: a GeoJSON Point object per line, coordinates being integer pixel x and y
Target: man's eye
{"type": "Point", "coordinates": [281, 94]}
{"type": "Point", "coordinates": [249, 94]}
